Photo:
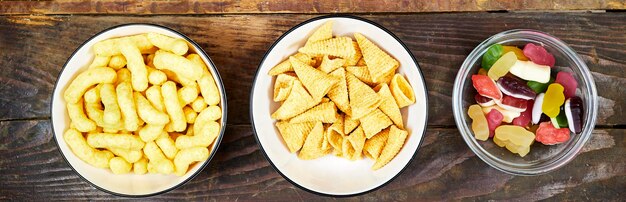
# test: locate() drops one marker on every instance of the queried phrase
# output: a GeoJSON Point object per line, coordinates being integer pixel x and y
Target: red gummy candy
{"type": "Point", "coordinates": [486, 87]}
{"type": "Point", "coordinates": [568, 82]}
{"type": "Point", "coordinates": [494, 119]}
{"type": "Point", "coordinates": [525, 117]}
{"type": "Point", "coordinates": [538, 55]}
{"type": "Point", "coordinates": [548, 135]}
{"type": "Point", "coordinates": [513, 104]}
{"type": "Point", "coordinates": [484, 101]}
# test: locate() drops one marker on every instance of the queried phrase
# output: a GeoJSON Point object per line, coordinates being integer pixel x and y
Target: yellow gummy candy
{"type": "Point", "coordinates": [515, 138]}
{"type": "Point", "coordinates": [502, 66]}
{"type": "Point", "coordinates": [553, 100]}
{"type": "Point", "coordinates": [479, 122]}
{"type": "Point", "coordinates": [518, 52]}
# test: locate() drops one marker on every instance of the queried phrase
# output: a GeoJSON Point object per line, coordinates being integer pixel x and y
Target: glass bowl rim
{"type": "Point", "coordinates": [564, 156]}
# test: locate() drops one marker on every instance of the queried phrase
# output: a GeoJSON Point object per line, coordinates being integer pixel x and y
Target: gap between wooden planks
{"type": "Point", "coordinates": [444, 168]}
{"type": "Point", "coordinates": [35, 49]}
{"type": "Point", "coordinates": [295, 6]}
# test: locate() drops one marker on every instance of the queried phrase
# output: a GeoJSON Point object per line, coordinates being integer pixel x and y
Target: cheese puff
{"type": "Point", "coordinates": [187, 156]}
{"type": "Point", "coordinates": [85, 80]}
{"type": "Point", "coordinates": [119, 165]}
{"type": "Point", "coordinates": [108, 140]}
{"type": "Point", "coordinates": [176, 46]}
{"type": "Point", "coordinates": [76, 142]}
{"type": "Point", "coordinates": [173, 107]}
{"type": "Point", "coordinates": [78, 117]}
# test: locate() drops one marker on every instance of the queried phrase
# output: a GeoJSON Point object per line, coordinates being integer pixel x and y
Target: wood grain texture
{"type": "Point", "coordinates": [32, 168]}
{"type": "Point", "coordinates": [293, 6]}
{"type": "Point", "coordinates": [36, 47]}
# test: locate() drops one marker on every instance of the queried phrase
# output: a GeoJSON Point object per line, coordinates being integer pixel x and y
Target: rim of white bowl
{"type": "Point", "coordinates": [223, 104]}
{"type": "Point", "coordinates": [256, 134]}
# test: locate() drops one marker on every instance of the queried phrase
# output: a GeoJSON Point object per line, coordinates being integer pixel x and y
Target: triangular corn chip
{"type": "Point", "coordinates": [378, 62]}
{"type": "Point", "coordinates": [322, 33]}
{"type": "Point", "coordinates": [312, 147]}
{"type": "Point", "coordinates": [387, 78]}
{"type": "Point", "coordinates": [297, 102]}
{"type": "Point", "coordinates": [363, 99]}
{"type": "Point", "coordinates": [316, 82]}
{"type": "Point", "coordinates": [392, 147]}
{"type": "Point", "coordinates": [349, 124]}
{"type": "Point", "coordinates": [325, 112]}
{"type": "Point", "coordinates": [389, 105]}
{"type": "Point", "coordinates": [361, 62]}
{"type": "Point", "coordinates": [317, 61]}
{"type": "Point", "coordinates": [353, 144]}
{"type": "Point", "coordinates": [312, 61]}
{"type": "Point", "coordinates": [328, 65]}
{"type": "Point", "coordinates": [285, 66]}
{"type": "Point", "coordinates": [335, 134]}
{"type": "Point", "coordinates": [351, 61]}
{"type": "Point", "coordinates": [294, 134]}
{"type": "Point", "coordinates": [374, 122]}
{"type": "Point", "coordinates": [326, 142]}
{"type": "Point", "coordinates": [282, 86]}
{"type": "Point", "coordinates": [339, 92]}
{"type": "Point", "coordinates": [339, 124]}
{"type": "Point", "coordinates": [282, 67]}
{"type": "Point", "coordinates": [339, 47]}
{"type": "Point", "coordinates": [374, 145]}
{"type": "Point", "coordinates": [402, 91]}
{"type": "Point", "coordinates": [361, 73]}
{"type": "Point", "coordinates": [347, 151]}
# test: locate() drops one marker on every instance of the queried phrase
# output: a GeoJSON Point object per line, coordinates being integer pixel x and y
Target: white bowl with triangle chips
{"type": "Point", "coordinates": [331, 175]}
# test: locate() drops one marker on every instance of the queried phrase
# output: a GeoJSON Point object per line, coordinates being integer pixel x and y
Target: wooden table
{"type": "Point", "coordinates": [36, 38]}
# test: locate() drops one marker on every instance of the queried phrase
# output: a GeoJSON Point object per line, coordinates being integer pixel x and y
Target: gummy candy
{"type": "Point", "coordinates": [574, 113]}
{"type": "Point", "coordinates": [491, 56]}
{"type": "Point", "coordinates": [553, 100]}
{"type": "Point", "coordinates": [502, 66]}
{"type": "Point", "coordinates": [538, 55]}
{"type": "Point", "coordinates": [494, 119]}
{"type": "Point", "coordinates": [486, 87]}
{"type": "Point", "coordinates": [539, 87]}
{"type": "Point", "coordinates": [518, 52]}
{"type": "Point", "coordinates": [537, 108]}
{"type": "Point", "coordinates": [549, 135]}
{"type": "Point", "coordinates": [512, 104]}
{"type": "Point", "coordinates": [568, 82]}
{"type": "Point", "coordinates": [482, 71]}
{"type": "Point", "coordinates": [560, 121]}
{"type": "Point", "coordinates": [516, 88]}
{"type": "Point", "coordinates": [536, 105]}
{"type": "Point", "coordinates": [533, 128]}
{"type": "Point", "coordinates": [508, 115]}
{"type": "Point", "coordinates": [530, 71]}
{"type": "Point", "coordinates": [524, 118]}
{"type": "Point", "coordinates": [484, 101]}
{"type": "Point", "coordinates": [479, 122]}
{"type": "Point", "coordinates": [515, 138]}
{"type": "Point", "coordinates": [544, 118]}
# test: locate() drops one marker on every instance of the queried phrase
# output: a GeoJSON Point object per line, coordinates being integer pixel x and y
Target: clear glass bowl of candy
{"type": "Point", "coordinates": [524, 102]}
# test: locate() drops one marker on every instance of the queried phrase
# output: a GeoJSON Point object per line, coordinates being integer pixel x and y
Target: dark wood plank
{"type": "Point", "coordinates": [35, 48]}
{"type": "Point", "coordinates": [31, 168]}
{"type": "Point", "coordinates": [292, 6]}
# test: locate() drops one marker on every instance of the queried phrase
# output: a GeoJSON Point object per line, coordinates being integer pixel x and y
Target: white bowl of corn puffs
{"type": "Point", "coordinates": [339, 106]}
{"type": "Point", "coordinates": [138, 110]}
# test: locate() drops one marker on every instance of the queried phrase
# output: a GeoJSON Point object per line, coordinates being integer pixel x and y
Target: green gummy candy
{"type": "Point", "coordinates": [491, 56]}
{"type": "Point", "coordinates": [539, 87]}
{"type": "Point", "coordinates": [561, 120]}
